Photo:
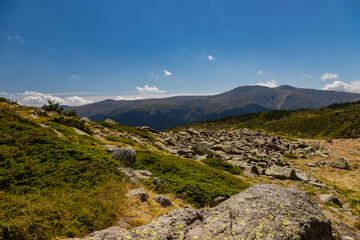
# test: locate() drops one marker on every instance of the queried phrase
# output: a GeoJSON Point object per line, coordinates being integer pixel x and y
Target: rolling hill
{"type": "Point", "coordinates": [175, 111]}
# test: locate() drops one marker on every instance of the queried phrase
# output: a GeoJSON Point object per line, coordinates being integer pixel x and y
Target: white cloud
{"type": "Point", "coordinates": [74, 77]}
{"type": "Point", "coordinates": [307, 76]}
{"type": "Point", "coordinates": [341, 86]}
{"type": "Point", "coordinates": [33, 98]}
{"type": "Point", "coordinates": [261, 72]}
{"type": "Point", "coordinates": [148, 89]}
{"type": "Point", "coordinates": [211, 58]}
{"type": "Point", "coordinates": [4, 94]}
{"type": "Point", "coordinates": [167, 73]}
{"type": "Point", "coordinates": [128, 98]}
{"type": "Point", "coordinates": [327, 76]}
{"type": "Point", "coordinates": [270, 84]}
{"type": "Point", "coordinates": [16, 37]}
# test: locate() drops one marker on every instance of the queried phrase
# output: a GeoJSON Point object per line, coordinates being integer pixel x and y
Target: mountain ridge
{"type": "Point", "coordinates": [162, 113]}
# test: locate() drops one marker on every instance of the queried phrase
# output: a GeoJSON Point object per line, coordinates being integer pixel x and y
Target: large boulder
{"type": "Point", "coordinates": [203, 150]}
{"type": "Point", "coordinates": [341, 163]}
{"type": "Point", "coordinates": [126, 156]}
{"type": "Point", "coordinates": [260, 212]}
{"type": "Point", "coordinates": [108, 120]}
{"type": "Point", "coordinates": [281, 172]}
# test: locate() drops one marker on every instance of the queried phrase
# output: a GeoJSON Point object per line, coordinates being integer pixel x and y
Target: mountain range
{"type": "Point", "coordinates": [175, 111]}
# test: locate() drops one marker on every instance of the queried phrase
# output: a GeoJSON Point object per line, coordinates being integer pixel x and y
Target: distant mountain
{"type": "Point", "coordinates": [175, 111]}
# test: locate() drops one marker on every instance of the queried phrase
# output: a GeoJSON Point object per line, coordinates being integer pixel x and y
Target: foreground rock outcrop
{"type": "Point", "coordinates": [260, 212]}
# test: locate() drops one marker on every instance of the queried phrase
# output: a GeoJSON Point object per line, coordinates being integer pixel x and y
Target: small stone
{"type": "Point", "coordinates": [158, 181]}
{"type": "Point", "coordinates": [143, 174]}
{"type": "Point", "coordinates": [341, 163]}
{"type": "Point", "coordinates": [162, 200]}
{"type": "Point", "coordinates": [139, 193]}
{"type": "Point", "coordinates": [330, 198]}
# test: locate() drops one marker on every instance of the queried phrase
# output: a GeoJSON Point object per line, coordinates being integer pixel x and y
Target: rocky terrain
{"type": "Point", "coordinates": [301, 188]}
{"type": "Point", "coordinates": [264, 159]}
{"type": "Point", "coordinates": [260, 212]}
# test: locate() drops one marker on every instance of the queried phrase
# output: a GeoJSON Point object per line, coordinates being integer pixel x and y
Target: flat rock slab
{"type": "Point", "coordinates": [260, 212]}
{"type": "Point", "coordinates": [281, 172]}
{"type": "Point", "coordinates": [78, 131]}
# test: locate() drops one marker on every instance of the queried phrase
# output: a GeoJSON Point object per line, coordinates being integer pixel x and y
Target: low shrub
{"type": "Point", "coordinates": [53, 187]}
{"type": "Point", "coordinates": [120, 139]}
{"type": "Point", "coordinates": [290, 156]}
{"type": "Point", "coordinates": [224, 166]}
{"type": "Point", "coordinates": [197, 183]}
{"type": "Point", "coordinates": [127, 129]}
{"type": "Point", "coordinates": [73, 122]}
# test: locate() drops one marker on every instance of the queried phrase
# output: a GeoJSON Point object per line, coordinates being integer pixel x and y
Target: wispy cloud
{"type": "Point", "coordinates": [15, 37]}
{"type": "Point", "coordinates": [154, 75]}
{"type": "Point", "coordinates": [341, 86]}
{"type": "Point", "coordinates": [167, 73]}
{"type": "Point", "coordinates": [271, 84]}
{"type": "Point", "coordinates": [307, 76]}
{"type": "Point", "coordinates": [146, 89]}
{"type": "Point", "coordinates": [261, 72]}
{"type": "Point", "coordinates": [128, 98]}
{"type": "Point", "coordinates": [74, 77]}
{"type": "Point", "coordinates": [327, 76]}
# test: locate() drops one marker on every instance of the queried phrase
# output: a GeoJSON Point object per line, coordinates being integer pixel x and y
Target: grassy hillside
{"type": "Point", "coordinates": [198, 184]}
{"type": "Point", "coordinates": [56, 185]}
{"type": "Point", "coordinates": [50, 185]}
{"type": "Point", "coordinates": [335, 121]}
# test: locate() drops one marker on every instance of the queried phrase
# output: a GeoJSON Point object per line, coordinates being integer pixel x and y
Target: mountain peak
{"type": "Point", "coordinates": [286, 87]}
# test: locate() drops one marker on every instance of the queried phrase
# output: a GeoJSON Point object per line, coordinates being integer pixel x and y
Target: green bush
{"type": "Point", "coordinates": [9, 101]}
{"type": "Point", "coordinates": [52, 106]}
{"type": "Point", "coordinates": [290, 156]}
{"type": "Point", "coordinates": [199, 184]}
{"type": "Point", "coordinates": [224, 166]}
{"type": "Point", "coordinates": [70, 113]}
{"type": "Point", "coordinates": [120, 139]}
{"type": "Point", "coordinates": [73, 122]}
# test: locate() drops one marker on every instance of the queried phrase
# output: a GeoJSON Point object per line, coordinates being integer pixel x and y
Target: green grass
{"type": "Point", "coordinates": [199, 184]}
{"type": "Point", "coordinates": [224, 166]}
{"type": "Point", "coordinates": [120, 139]}
{"type": "Point", "coordinates": [52, 186]}
{"type": "Point", "coordinates": [122, 128]}
{"type": "Point", "coordinates": [73, 122]}
{"type": "Point", "coordinates": [125, 141]}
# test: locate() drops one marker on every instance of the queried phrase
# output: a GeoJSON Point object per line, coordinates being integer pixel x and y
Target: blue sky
{"type": "Point", "coordinates": [81, 51]}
